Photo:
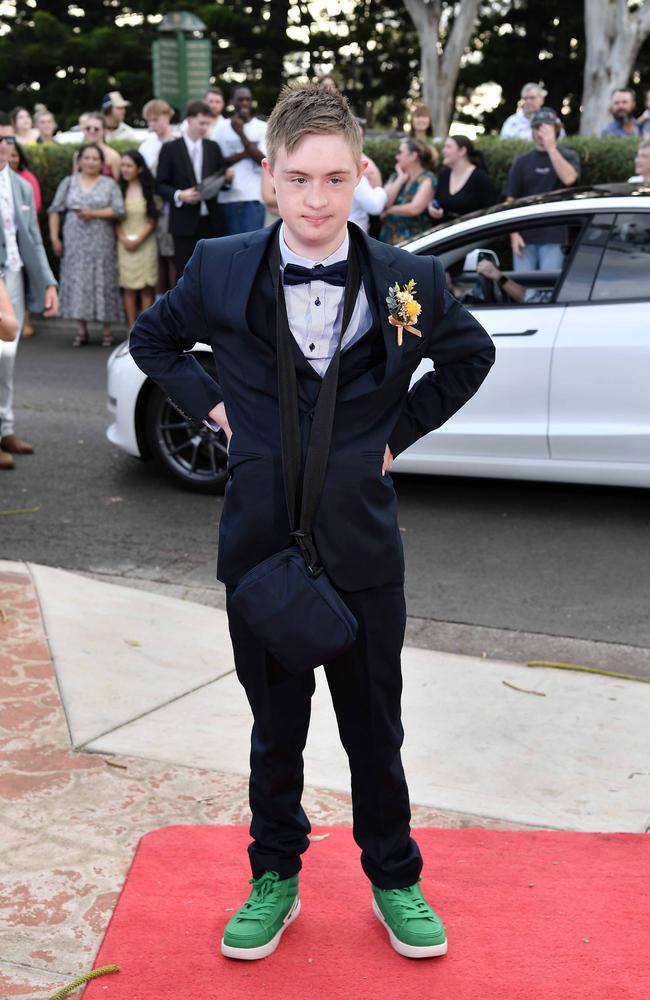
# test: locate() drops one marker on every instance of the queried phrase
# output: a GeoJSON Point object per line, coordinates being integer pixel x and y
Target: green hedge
{"type": "Point", "coordinates": [603, 160]}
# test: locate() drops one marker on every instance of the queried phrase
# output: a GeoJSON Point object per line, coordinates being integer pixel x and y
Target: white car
{"type": "Point", "coordinates": [568, 398]}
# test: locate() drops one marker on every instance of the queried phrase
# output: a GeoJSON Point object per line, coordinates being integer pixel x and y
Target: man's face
{"type": "Point", "coordinates": [532, 100]}
{"type": "Point", "coordinates": [314, 185]}
{"type": "Point", "coordinates": [46, 124]}
{"type": "Point", "coordinates": [93, 130]}
{"type": "Point", "coordinates": [622, 104]}
{"type": "Point", "coordinates": [215, 102]}
{"type": "Point", "coordinates": [158, 124]}
{"type": "Point", "coordinates": [242, 101]}
{"type": "Point", "coordinates": [117, 114]}
{"type": "Point", "coordinates": [198, 126]}
{"type": "Point", "coordinates": [5, 147]}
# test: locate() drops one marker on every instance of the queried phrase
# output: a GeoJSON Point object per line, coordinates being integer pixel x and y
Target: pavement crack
{"type": "Point", "coordinates": [143, 715]}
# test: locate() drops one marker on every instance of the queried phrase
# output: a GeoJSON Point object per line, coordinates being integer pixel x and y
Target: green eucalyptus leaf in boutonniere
{"type": "Point", "coordinates": [403, 309]}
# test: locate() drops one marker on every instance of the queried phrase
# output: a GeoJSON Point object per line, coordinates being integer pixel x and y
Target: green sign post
{"type": "Point", "coordinates": [182, 60]}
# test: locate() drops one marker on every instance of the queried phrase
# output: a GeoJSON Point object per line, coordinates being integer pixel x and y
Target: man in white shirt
{"type": "Point", "coordinates": [367, 200]}
{"type": "Point", "coordinates": [215, 100]}
{"type": "Point", "coordinates": [158, 115]}
{"type": "Point", "coordinates": [114, 108]}
{"type": "Point", "coordinates": [241, 140]}
{"type": "Point", "coordinates": [21, 257]}
{"type": "Point", "coordinates": [518, 126]}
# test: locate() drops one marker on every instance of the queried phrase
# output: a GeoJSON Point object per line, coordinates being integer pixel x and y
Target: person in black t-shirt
{"type": "Point", "coordinates": [464, 184]}
{"type": "Point", "coordinates": [545, 168]}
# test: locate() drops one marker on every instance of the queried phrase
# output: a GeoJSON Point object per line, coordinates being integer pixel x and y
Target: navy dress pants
{"type": "Point", "coordinates": [366, 686]}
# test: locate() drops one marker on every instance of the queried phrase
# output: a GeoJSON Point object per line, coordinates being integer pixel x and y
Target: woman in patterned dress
{"type": "Point", "coordinates": [409, 191]}
{"type": "Point", "coordinates": [137, 249]}
{"type": "Point", "coordinates": [92, 204]}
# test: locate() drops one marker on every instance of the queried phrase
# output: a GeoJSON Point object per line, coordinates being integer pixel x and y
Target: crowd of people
{"type": "Point", "coordinates": [124, 226]}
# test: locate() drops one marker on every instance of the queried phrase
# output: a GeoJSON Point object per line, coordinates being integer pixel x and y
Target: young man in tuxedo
{"type": "Point", "coordinates": [226, 298]}
{"type": "Point", "coordinates": [184, 163]}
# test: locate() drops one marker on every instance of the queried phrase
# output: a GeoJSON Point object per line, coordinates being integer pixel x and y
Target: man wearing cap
{"type": "Point", "coordinates": [547, 167]}
{"type": "Point", "coordinates": [114, 107]}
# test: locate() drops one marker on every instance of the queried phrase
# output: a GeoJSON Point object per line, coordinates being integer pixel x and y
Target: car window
{"type": "Point", "coordinates": [624, 272]}
{"type": "Point", "coordinates": [585, 260]}
{"type": "Point", "coordinates": [460, 258]}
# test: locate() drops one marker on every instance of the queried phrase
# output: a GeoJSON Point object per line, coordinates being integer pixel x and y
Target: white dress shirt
{"type": "Point", "coordinates": [195, 150]}
{"type": "Point", "coordinates": [246, 183]}
{"type": "Point", "coordinates": [315, 309]}
{"type": "Point", "coordinates": [367, 200]}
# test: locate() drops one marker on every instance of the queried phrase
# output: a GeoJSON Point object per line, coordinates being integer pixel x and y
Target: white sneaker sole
{"type": "Point", "coordinates": [409, 950]}
{"type": "Point", "coordinates": [252, 954]}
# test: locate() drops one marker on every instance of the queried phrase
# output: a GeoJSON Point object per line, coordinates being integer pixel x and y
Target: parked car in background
{"type": "Point", "coordinates": [568, 398]}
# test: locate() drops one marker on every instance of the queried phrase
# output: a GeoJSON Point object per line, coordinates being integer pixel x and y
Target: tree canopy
{"type": "Point", "coordinates": [67, 55]}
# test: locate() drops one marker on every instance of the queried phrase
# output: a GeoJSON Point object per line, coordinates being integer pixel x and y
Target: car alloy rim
{"type": "Point", "coordinates": [196, 451]}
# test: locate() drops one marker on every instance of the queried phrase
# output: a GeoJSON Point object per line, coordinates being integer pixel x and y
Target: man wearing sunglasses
{"type": "Point", "coordinates": [93, 129]}
{"type": "Point", "coordinates": [22, 258]}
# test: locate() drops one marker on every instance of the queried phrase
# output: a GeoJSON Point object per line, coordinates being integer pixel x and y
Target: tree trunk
{"type": "Point", "coordinates": [613, 37]}
{"type": "Point", "coordinates": [439, 65]}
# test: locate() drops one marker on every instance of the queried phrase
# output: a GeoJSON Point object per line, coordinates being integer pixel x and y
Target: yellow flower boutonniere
{"type": "Point", "coordinates": [403, 310]}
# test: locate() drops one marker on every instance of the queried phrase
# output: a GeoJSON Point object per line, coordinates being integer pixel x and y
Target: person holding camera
{"type": "Point", "coordinates": [547, 167]}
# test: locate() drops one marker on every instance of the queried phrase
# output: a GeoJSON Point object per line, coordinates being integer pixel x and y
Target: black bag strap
{"type": "Point", "coordinates": [302, 497]}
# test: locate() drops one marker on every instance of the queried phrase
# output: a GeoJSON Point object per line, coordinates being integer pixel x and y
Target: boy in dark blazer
{"type": "Point", "coordinates": [184, 163]}
{"type": "Point", "coordinates": [226, 299]}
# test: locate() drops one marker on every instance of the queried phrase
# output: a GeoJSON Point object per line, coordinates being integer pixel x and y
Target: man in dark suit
{"type": "Point", "coordinates": [183, 164]}
{"type": "Point", "coordinates": [226, 299]}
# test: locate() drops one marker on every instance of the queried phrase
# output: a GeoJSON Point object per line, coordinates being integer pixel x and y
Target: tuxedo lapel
{"type": "Point", "coordinates": [244, 267]}
{"type": "Point", "coordinates": [187, 160]}
{"type": "Point", "coordinates": [245, 278]}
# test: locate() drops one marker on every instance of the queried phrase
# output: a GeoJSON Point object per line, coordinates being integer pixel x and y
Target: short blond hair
{"type": "Point", "coordinates": [308, 109]}
{"type": "Point", "coordinates": [157, 107]}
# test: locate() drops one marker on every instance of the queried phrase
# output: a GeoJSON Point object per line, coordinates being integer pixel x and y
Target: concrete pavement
{"type": "Point", "coordinates": [121, 712]}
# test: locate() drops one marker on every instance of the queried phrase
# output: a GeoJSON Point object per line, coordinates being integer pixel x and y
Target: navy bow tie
{"type": "Point", "coordinates": [333, 274]}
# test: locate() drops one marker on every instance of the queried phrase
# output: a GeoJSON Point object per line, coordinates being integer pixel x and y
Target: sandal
{"type": "Point", "coordinates": [80, 340]}
{"type": "Point", "coordinates": [107, 340]}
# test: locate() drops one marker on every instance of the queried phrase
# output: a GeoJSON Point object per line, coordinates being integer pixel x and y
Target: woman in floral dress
{"type": "Point", "coordinates": [92, 204]}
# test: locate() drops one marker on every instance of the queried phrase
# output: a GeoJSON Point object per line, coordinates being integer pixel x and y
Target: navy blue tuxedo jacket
{"type": "Point", "coordinates": [225, 299]}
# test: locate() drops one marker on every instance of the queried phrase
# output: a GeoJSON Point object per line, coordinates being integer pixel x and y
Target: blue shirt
{"type": "Point", "coordinates": [615, 128]}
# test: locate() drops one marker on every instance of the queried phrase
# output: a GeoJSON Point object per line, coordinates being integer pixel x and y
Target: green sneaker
{"type": "Point", "coordinates": [413, 928]}
{"type": "Point", "coordinates": [256, 929]}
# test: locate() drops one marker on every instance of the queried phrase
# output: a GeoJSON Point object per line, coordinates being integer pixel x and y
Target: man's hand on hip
{"type": "Point", "coordinates": [388, 461]}
{"type": "Point", "coordinates": [218, 414]}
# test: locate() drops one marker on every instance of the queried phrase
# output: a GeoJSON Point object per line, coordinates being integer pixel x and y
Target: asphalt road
{"type": "Point", "coordinates": [552, 559]}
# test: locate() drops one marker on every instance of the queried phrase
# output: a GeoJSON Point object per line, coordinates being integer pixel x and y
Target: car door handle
{"type": "Point", "coordinates": [516, 333]}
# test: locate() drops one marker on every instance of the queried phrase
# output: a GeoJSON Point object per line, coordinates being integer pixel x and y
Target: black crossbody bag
{"type": "Point", "coordinates": [288, 601]}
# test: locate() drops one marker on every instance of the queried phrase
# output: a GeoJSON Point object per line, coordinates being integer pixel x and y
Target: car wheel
{"type": "Point", "coordinates": [192, 454]}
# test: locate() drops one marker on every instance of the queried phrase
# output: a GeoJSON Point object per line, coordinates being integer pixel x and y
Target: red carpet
{"type": "Point", "coordinates": [529, 916]}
